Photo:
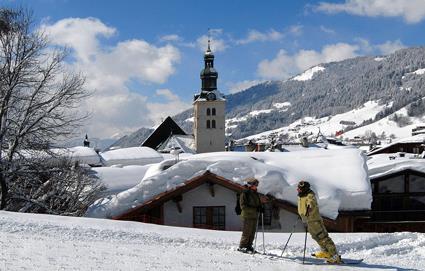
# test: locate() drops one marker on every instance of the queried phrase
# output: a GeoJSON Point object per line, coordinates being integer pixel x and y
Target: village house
{"type": "Point", "coordinates": [414, 144]}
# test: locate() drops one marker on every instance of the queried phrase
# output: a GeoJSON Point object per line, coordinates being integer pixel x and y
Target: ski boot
{"type": "Point", "coordinates": [322, 255]}
{"type": "Point", "coordinates": [335, 259]}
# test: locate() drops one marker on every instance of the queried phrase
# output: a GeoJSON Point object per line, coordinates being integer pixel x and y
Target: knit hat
{"type": "Point", "coordinates": [252, 181]}
{"type": "Point", "coordinates": [303, 186]}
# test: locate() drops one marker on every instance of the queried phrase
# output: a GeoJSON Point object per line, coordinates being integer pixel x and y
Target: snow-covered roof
{"type": "Point", "coordinates": [131, 156]}
{"type": "Point", "coordinates": [219, 96]}
{"type": "Point", "coordinates": [420, 138]}
{"type": "Point", "coordinates": [118, 179]}
{"type": "Point", "coordinates": [84, 155]}
{"type": "Point", "coordinates": [339, 178]}
{"type": "Point", "coordinates": [384, 164]}
{"type": "Point", "coordinates": [186, 143]}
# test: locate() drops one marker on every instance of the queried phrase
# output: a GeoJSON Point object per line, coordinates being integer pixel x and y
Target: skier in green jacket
{"type": "Point", "coordinates": [308, 210]}
{"type": "Point", "coordinates": [251, 206]}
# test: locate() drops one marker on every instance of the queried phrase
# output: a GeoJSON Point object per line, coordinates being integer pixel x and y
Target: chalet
{"type": "Point", "coordinates": [398, 190]}
{"type": "Point", "coordinates": [420, 129]}
{"type": "Point", "coordinates": [208, 202]}
{"type": "Point", "coordinates": [201, 190]}
{"type": "Point", "coordinates": [414, 144]}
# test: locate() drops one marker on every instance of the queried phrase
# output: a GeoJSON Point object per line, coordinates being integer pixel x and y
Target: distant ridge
{"type": "Point", "coordinates": [324, 90]}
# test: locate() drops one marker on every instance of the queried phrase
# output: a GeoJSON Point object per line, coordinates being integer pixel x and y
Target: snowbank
{"type": "Point", "coordinates": [131, 156]}
{"type": "Point", "coordinates": [47, 242]}
{"type": "Point", "coordinates": [339, 178]}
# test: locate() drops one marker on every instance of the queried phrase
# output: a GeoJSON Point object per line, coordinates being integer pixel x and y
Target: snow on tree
{"type": "Point", "coordinates": [38, 102]}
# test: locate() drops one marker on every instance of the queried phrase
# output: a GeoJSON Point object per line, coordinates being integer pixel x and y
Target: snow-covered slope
{"type": "Point", "coordinates": [308, 74]}
{"type": "Point", "coordinates": [327, 125]}
{"type": "Point", "coordinates": [44, 243]}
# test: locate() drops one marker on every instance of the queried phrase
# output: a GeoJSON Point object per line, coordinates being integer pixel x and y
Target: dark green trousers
{"type": "Point", "coordinates": [248, 232]}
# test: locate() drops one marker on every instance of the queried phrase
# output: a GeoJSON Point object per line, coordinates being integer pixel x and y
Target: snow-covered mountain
{"type": "Point", "coordinates": [328, 91]}
{"type": "Point", "coordinates": [47, 242]}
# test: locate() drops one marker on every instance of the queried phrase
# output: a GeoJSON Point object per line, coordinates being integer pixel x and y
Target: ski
{"type": "Point", "coordinates": [308, 260]}
{"type": "Point", "coordinates": [344, 260]}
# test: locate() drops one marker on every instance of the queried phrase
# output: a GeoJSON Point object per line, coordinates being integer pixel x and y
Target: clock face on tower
{"type": "Point", "coordinates": [211, 96]}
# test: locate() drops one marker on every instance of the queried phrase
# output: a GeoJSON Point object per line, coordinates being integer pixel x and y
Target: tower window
{"type": "Point", "coordinates": [213, 124]}
{"type": "Point", "coordinates": [208, 124]}
{"type": "Point", "coordinates": [209, 111]}
{"type": "Point", "coordinates": [213, 111]}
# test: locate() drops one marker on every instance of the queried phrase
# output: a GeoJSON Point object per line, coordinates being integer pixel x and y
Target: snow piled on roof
{"type": "Point", "coordinates": [185, 143]}
{"type": "Point", "coordinates": [131, 156]}
{"type": "Point", "coordinates": [118, 179]}
{"type": "Point", "coordinates": [420, 138]}
{"type": "Point", "coordinates": [339, 178]}
{"type": "Point", "coordinates": [308, 74]}
{"type": "Point", "coordinates": [84, 155]}
{"type": "Point", "coordinates": [384, 164]}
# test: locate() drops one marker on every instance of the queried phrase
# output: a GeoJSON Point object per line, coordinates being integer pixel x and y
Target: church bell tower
{"type": "Point", "coordinates": [209, 110]}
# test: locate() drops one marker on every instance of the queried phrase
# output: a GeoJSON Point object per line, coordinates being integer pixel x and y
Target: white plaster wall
{"type": "Point", "coordinates": [209, 140]}
{"type": "Point", "coordinates": [287, 221]}
{"type": "Point", "coordinates": [199, 197]}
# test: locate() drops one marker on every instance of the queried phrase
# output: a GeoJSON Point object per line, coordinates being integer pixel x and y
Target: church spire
{"type": "Point", "coordinates": [209, 75]}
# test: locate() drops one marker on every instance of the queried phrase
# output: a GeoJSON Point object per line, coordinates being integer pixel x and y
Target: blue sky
{"type": "Point", "coordinates": [142, 58]}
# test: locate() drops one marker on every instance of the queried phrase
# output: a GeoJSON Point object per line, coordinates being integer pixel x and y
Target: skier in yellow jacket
{"type": "Point", "coordinates": [308, 210]}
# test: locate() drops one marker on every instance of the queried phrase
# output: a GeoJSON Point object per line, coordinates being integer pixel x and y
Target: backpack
{"type": "Point", "coordinates": [238, 209]}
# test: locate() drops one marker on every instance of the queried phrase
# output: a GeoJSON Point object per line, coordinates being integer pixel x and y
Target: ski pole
{"type": "Point", "coordinates": [262, 225]}
{"type": "Point", "coordinates": [292, 232]}
{"type": "Point", "coordinates": [305, 243]}
{"type": "Point", "coordinates": [256, 231]}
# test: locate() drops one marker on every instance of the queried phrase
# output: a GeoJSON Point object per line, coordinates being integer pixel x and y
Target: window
{"type": "Point", "coordinates": [213, 111]}
{"type": "Point", "coordinates": [399, 198]}
{"type": "Point", "coordinates": [209, 112]}
{"type": "Point", "coordinates": [416, 183]}
{"type": "Point", "coordinates": [392, 185]}
{"type": "Point", "coordinates": [208, 124]}
{"type": "Point", "coordinates": [209, 217]}
{"type": "Point", "coordinates": [199, 216]}
{"type": "Point", "coordinates": [213, 124]}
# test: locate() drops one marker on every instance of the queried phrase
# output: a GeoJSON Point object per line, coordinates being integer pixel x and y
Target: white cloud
{"type": "Point", "coordinates": [412, 11]}
{"type": "Point", "coordinates": [79, 34]}
{"type": "Point", "coordinates": [390, 47]}
{"type": "Point", "coordinates": [217, 44]}
{"type": "Point", "coordinates": [296, 29]}
{"type": "Point", "coordinates": [115, 106]}
{"type": "Point", "coordinates": [239, 86]}
{"type": "Point", "coordinates": [284, 66]}
{"type": "Point", "coordinates": [171, 37]}
{"type": "Point", "coordinates": [167, 94]}
{"type": "Point", "coordinates": [327, 30]}
{"type": "Point", "coordinates": [255, 35]}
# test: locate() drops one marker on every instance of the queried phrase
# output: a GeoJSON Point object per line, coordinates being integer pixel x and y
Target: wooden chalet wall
{"type": "Point", "coordinates": [402, 147]}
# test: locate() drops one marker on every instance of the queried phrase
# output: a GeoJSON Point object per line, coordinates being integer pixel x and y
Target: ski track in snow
{"type": "Point", "coordinates": [40, 242]}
